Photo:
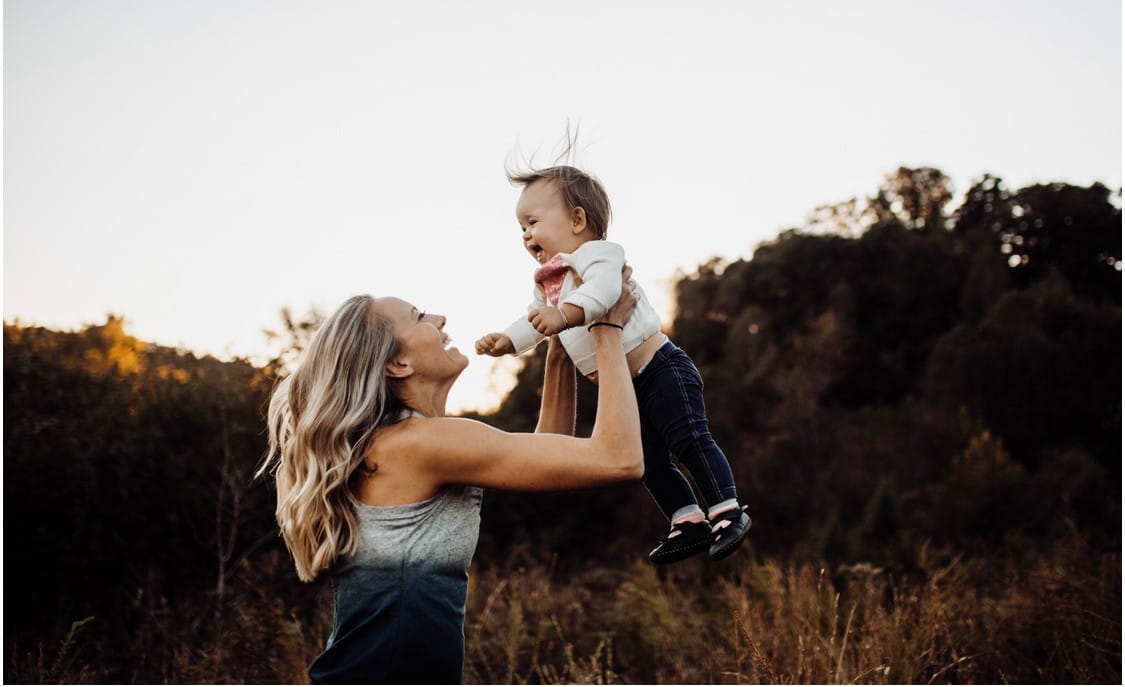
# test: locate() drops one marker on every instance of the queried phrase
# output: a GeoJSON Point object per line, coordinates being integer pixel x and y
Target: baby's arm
{"type": "Point", "coordinates": [599, 265]}
{"type": "Point", "coordinates": [520, 336]}
{"type": "Point", "coordinates": [549, 320]}
{"type": "Point", "coordinates": [495, 345]}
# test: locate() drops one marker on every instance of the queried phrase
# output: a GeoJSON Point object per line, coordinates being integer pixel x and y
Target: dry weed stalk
{"type": "Point", "coordinates": [760, 661]}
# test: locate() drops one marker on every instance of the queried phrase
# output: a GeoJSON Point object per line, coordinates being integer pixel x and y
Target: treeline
{"type": "Point", "coordinates": [128, 500]}
{"type": "Point", "coordinates": [904, 383]}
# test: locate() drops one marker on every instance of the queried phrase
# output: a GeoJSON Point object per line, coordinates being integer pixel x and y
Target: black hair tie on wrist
{"type": "Point", "coordinates": [604, 324]}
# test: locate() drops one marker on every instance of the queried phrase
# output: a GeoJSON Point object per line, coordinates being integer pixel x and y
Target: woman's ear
{"type": "Point", "coordinates": [578, 220]}
{"type": "Point", "coordinates": [398, 369]}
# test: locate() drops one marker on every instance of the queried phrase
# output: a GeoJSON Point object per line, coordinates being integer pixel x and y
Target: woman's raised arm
{"type": "Point", "coordinates": [557, 411]}
{"type": "Point", "coordinates": [461, 451]}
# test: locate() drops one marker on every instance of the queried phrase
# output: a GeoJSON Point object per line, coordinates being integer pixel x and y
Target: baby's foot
{"type": "Point", "coordinates": [684, 540]}
{"type": "Point", "coordinates": [728, 529]}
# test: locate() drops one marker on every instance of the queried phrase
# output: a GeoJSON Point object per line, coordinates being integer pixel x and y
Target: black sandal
{"type": "Point", "coordinates": [729, 528]}
{"type": "Point", "coordinates": [684, 540]}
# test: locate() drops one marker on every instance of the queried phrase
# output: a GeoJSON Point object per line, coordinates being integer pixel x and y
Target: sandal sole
{"type": "Point", "coordinates": [677, 555]}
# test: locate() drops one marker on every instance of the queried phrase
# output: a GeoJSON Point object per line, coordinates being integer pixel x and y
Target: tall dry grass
{"type": "Point", "coordinates": [265, 630]}
{"type": "Point", "coordinates": [747, 621]}
{"type": "Point", "coordinates": [1052, 618]}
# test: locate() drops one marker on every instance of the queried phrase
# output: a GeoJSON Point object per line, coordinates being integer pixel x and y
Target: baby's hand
{"type": "Point", "coordinates": [547, 320]}
{"type": "Point", "coordinates": [495, 345]}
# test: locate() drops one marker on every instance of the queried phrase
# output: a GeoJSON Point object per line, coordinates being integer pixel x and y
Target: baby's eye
{"type": "Point", "coordinates": [421, 315]}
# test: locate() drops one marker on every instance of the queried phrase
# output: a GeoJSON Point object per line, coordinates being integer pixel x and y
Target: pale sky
{"type": "Point", "coordinates": [195, 166]}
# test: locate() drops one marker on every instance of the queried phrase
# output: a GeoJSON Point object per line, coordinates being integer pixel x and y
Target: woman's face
{"type": "Point", "coordinates": [423, 345]}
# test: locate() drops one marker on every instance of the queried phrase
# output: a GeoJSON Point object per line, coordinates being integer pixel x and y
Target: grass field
{"type": "Point", "coordinates": [1052, 619]}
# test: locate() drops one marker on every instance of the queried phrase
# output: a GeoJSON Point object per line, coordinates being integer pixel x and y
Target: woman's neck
{"type": "Point", "coordinates": [428, 400]}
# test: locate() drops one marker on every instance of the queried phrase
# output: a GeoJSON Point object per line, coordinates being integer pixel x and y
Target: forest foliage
{"type": "Point", "coordinates": [907, 384]}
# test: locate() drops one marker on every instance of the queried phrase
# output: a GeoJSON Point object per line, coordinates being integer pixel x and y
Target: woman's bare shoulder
{"type": "Point", "coordinates": [405, 459]}
{"type": "Point", "coordinates": [423, 435]}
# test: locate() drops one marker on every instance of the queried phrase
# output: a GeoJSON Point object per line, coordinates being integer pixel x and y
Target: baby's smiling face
{"type": "Point", "coordinates": [548, 226]}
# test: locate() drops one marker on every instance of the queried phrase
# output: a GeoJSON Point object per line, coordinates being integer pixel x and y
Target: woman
{"type": "Point", "coordinates": [377, 488]}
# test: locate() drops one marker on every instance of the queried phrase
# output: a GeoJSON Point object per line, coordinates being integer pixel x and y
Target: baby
{"type": "Point", "coordinates": [563, 215]}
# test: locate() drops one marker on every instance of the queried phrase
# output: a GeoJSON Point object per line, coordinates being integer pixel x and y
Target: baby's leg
{"type": "Point", "coordinates": [673, 393]}
{"type": "Point", "coordinates": [664, 481]}
{"type": "Point", "coordinates": [690, 533]}
{"type": "Point", "coordinates": [674, 404]}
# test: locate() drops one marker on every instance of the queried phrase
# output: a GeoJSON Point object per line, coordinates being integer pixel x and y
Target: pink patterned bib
{"type": "Point", "coordinates": [551, 276]}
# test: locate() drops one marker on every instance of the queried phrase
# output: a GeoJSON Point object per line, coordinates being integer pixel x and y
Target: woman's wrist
{"type": "Point", "coordinates": [555, 348]}
{"type": "Point", "coordinates": [603, 323]}
{"type": "Point", "coordinates": [557, 358]}
{"type": "Point", "coordinates": [603, 332]}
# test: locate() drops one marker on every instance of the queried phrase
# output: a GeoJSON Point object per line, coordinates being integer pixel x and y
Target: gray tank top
{"type": "Point", "coordinates": [400, 600]}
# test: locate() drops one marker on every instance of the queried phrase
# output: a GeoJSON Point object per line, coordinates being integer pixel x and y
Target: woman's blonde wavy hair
{"type": "Point", "coordinates": [322, 420]}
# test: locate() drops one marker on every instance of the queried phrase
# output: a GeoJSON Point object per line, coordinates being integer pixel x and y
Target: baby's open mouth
{"type": "Point", "coordinates": [536, 250]}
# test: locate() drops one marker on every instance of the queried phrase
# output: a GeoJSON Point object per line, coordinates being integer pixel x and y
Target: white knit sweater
{"type": "Point", "coordinates": [597, 265]}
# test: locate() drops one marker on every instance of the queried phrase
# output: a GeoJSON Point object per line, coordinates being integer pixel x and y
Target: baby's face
{"type": "Point", "coordinates": [547, 226]}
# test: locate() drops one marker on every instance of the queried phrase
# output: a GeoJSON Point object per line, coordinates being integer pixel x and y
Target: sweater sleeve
{"type": "Point", "coordinates": [524, 337]}
{"type": "Point", "coordinates": [598, 264]}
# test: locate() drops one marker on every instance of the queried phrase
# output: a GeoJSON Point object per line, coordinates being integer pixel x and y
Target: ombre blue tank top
{"type": "Point", "coordinates": [400, 600]}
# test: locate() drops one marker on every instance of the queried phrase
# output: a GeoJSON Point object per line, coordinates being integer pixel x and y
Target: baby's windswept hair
{"type": "Point", "coordinates": [578, 190]}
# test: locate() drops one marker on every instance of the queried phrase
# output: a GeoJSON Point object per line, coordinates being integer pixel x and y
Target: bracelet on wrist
{"type": "Point", "coordinates": [604, 324]}
{"type": "Point", "coordinates": [566, 324]}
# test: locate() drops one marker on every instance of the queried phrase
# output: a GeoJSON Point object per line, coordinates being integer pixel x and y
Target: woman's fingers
{"type": "Point", "coordinates": [627, 283]}
{"type": "Point", "coordinates": [623, 308]}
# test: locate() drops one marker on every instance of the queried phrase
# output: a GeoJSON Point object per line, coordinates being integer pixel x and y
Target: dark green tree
{"type": "Point", "coordinates": [126, 474]}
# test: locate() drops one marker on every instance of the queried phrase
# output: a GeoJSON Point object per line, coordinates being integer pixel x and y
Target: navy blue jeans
{"type": "Point", "coordinates": [674, 423]}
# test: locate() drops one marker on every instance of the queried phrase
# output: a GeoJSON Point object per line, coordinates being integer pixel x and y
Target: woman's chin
{"type": "Point", "coordinates": [456, 354]}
